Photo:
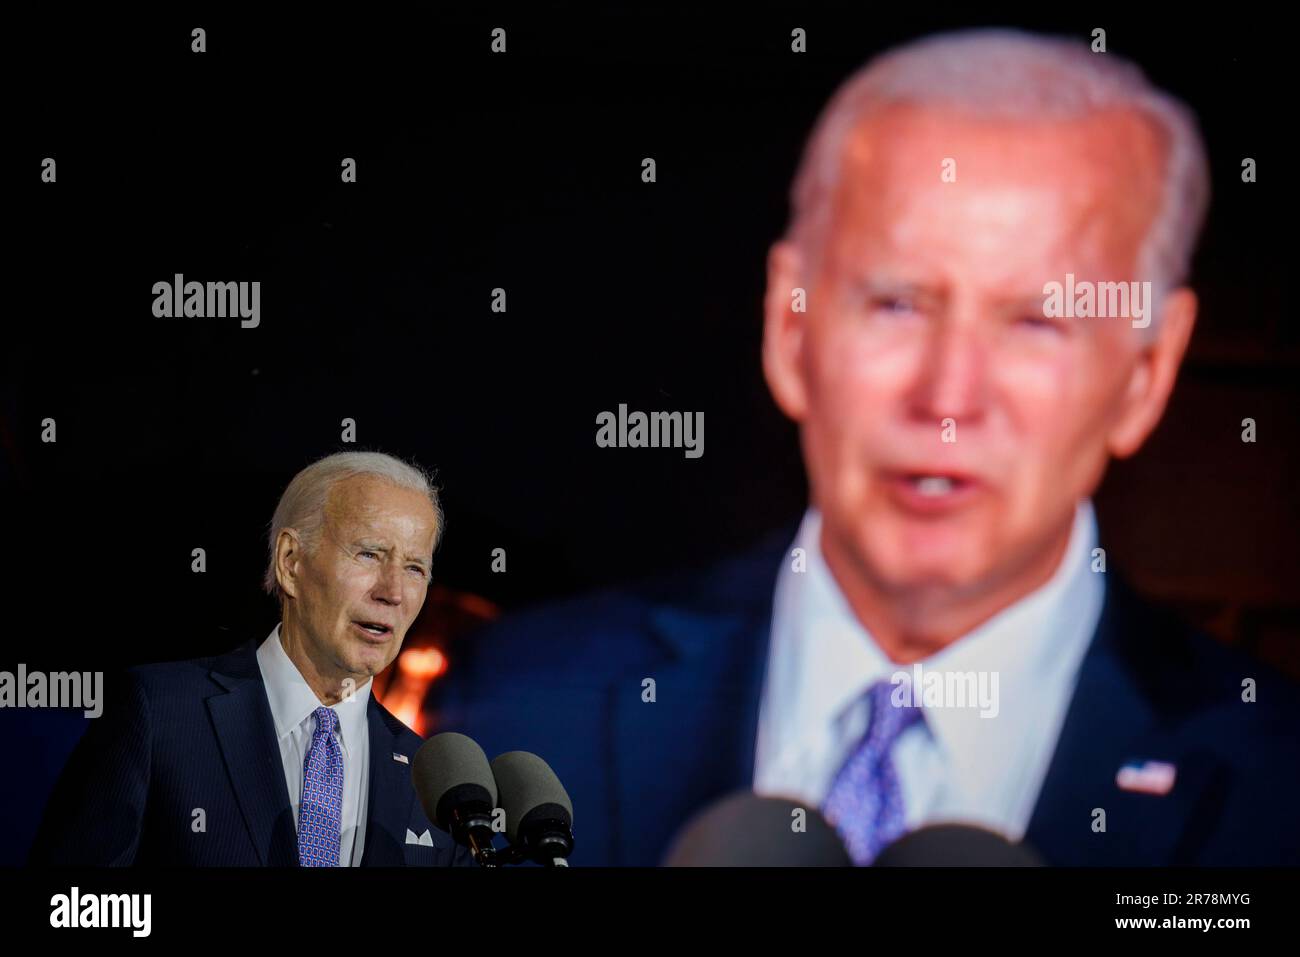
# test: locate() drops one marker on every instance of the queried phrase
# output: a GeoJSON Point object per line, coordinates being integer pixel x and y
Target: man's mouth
{"type": "Point", "coordinates": [932, 492]}
{"type": "Point", "coordinates": [375, 629]}
{"type": "Point", "coordinates": [932, 486]}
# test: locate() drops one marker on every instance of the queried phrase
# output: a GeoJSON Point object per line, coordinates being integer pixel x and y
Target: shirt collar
{"type": "Point", "coordinates": [293, 702]}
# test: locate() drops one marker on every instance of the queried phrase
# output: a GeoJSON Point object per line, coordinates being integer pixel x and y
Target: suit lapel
{"type": "Point", "coordinates": [1132, 685]}
{"type": "Point", "coordinates": [246, 735]}
{"type": "Point", "coordinates": [391, 793]}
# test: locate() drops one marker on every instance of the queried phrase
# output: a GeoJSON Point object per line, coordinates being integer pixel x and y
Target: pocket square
{"type": "Point", "coordinates": [424, 840]}
{"type": "Point", "coordinates": [1147, 777]}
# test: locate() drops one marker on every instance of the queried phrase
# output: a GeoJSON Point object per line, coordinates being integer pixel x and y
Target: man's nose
{"type": "Point", "coordinates": [952, 378]}
{"type": "Point", "coordinates": [388, 586]}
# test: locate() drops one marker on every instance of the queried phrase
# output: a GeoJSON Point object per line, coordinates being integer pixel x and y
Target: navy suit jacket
{"type": "Point", "coordinates": [188, 735]}
{"type": "Point", "coordinates": [566, 682]}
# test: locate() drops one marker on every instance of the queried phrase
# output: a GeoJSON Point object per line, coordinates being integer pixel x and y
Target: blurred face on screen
{"type": "Point", "coordinates": [925, 321]}
{"type": "Point", "coordinates": [353, 596]}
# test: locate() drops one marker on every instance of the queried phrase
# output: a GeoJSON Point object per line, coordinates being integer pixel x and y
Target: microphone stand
{"type": "Point", "coordinates": [472, 826]}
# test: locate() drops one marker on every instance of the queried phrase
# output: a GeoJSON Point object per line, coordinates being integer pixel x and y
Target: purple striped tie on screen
{"type": "Point", "coordinates": [865, 803]}
{"type": "Point", "coordinates": [322, 796]}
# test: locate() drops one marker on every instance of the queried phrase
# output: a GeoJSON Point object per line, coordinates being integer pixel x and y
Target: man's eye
{"type": "Point", "coordinates": [371, 554]}
{"type": "Point", "coordinates": [417, 569]}
{"type": "Point", "coordinates": [1038, 323]}
{"type": "Point", "coordinates": [891, 306]}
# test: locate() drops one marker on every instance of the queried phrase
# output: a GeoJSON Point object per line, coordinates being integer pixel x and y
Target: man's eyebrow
{"type": "Point", "coordinates": [882, 285]}
{"type": "Point", "coordinates": [373, 545]}
{"type": "Point", "coordinates": [885, 286]}
{"type": "Point", "coordinates": [1032, 302]}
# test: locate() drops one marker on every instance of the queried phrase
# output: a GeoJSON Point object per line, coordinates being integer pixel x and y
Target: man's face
{"type": "Point", "coordinates": [371, 565]}
{"type": "Point", "coordinates": [928, 306]}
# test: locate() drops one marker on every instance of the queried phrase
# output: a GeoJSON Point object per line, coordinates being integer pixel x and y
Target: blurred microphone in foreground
{"type": "Point", "coordinates": [956, 845]}
{"type": "Point", "coordinates": [745, 830]}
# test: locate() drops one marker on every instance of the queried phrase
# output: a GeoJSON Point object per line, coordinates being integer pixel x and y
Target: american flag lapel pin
{"type": "Point", "coordinates": [1146, 777]}
{"type": "Point", "coordinates": [401, 758]}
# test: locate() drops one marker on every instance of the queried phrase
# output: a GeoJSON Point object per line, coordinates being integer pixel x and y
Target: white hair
{"type": "Point", "coordinates": [302, 506]}
{"type": "Point", "coordinates": [1012, 74]}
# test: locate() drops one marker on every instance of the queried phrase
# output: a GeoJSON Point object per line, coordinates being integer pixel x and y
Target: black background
{"type": "Point", "coordinates": [522, 171]}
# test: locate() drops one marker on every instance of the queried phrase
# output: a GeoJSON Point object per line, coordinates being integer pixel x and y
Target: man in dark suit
{"type": "Point", "coordinates": [275, 754]}
{"type": "Point", "coordinates": [940, 639]}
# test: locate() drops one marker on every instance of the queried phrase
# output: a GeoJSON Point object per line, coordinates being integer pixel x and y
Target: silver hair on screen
{"type": "Point", "coordinates": [1011, 74]}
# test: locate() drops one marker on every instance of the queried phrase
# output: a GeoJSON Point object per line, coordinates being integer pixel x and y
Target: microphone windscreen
{"type": "Point", "coordinates": [956, 845]}
{"type": "Point", "coordinates": [528, 788]}
{"type": "Point", "coordinates": [450, 770]}
{"type": "Point", "coordinates": [746, 830]}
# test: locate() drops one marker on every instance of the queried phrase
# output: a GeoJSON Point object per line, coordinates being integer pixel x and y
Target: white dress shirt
{"type": "Point", "coordinates": [293, 706]}
{"type": "Point", "coordinates": [955, 765]}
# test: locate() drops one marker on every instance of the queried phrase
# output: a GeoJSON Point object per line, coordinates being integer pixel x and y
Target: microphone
{"type": "Point", "coordinates": [539, 813]}
{"type": "Point", "coordinates": [956, 845]}
{"type": "Point", "coordinates": [746, 830]}
{"type": "Point", "coordinates": [457, 791]}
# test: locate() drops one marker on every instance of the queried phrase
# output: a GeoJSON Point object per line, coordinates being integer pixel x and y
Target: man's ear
{"type": "Point", "coordinates": [1153, 376]}
{"type": "Point", "coordinates": [288, 561]}
{"type": "Point", "coordinates": [784, 330]}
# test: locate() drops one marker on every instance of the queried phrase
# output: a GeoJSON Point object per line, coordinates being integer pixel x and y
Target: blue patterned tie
{"type": "Point", "coordinates": [865, 802]}
{"type": "Point", "coordinates": [322, 795]}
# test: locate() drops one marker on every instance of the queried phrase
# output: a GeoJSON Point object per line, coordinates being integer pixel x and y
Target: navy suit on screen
{"type": "Point", "coordinates": [565, 681]}
{"type": "Point", "coordinates": [189, 735]}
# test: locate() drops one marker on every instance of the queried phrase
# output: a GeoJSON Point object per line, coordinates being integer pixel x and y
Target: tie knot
{"type": "Point", "coordinates": [326, 721]}
{"type": "Point", "coordinates": [889, 719]}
